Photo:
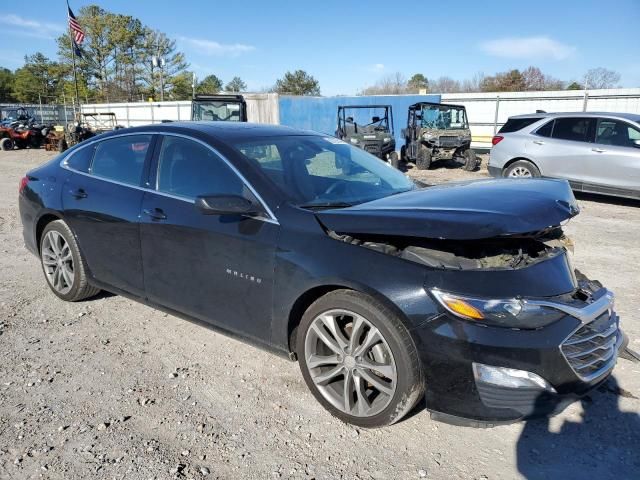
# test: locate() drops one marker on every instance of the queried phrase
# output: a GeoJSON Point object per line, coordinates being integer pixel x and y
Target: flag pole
{"type": "Point", "coordinates": [73, 58]}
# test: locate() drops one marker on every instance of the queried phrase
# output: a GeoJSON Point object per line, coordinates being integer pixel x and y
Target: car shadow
{"type": "Point", "coordinates": [602, 444]}
{"type": "Point", "coordinates": [610, 200]}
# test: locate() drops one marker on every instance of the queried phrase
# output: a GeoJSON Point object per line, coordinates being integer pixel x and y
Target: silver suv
{"type": "Point", "coordinates": [596, 152]}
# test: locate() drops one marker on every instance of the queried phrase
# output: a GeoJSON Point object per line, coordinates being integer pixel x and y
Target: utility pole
{"type": "Point", "coordinates": [193, 86]}
{"type": "Point", "coordinates": [159, 62]}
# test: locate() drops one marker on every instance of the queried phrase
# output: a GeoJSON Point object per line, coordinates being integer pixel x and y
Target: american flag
{"type": "Point", "coordinates": [76, 29]}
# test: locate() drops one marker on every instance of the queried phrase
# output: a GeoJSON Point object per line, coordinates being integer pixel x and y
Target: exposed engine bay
{"type": "Point", "coordinates": [509, 252]}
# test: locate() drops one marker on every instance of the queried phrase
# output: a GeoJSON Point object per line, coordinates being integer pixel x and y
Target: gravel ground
{"type": "Point", "coordinates": [109, 388]}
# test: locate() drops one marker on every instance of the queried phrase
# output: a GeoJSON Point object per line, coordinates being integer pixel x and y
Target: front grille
{"type": "Point", "coordinates": [592, 349]}
{"type": "Point", "coordinates": [372, 147]}
{"type": "Point", "coordinates": [448, 141]}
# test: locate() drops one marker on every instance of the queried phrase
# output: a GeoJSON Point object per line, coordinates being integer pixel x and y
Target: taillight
{"type": "Point", "coordinates": [496, 140]}
{"type": "Point", "coordinates": [24, 181]}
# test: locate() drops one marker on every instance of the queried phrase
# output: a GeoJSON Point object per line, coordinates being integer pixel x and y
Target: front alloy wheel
{"type": "Point", "coordinates": [350, 362]}
{"type": "Point", "coordinates": [358, 359]}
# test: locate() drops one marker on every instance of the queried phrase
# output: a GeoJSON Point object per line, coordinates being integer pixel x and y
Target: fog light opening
{"type": "Point", "coordinates": [509, 377]}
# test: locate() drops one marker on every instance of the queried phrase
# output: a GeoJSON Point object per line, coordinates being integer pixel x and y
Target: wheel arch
{"type": "Point", "coordinates": [44, 220]}
{"type": "Point", "coordinates": [517, 159]}
{"type": "Point", "coordinates": [305, 299]}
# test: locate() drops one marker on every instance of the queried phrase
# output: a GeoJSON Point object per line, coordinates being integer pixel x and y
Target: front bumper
{"type": "Point", "coordinates": [561, 353]}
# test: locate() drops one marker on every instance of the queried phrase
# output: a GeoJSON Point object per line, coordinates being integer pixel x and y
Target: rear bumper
{"type": "Point", "coordinates": [494, 171]}
{"type": "Point", "coordinates": [450, 346]}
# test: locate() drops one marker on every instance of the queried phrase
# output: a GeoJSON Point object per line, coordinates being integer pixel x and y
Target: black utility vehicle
{"type": "Point", "coordinates": [374, 135]}
{"type": "Point", "coordinates": [312, 248]}
{"type": "Point", "coordinates": [219, 108]}
{"type": "Point", "coordinates": [438, 131]}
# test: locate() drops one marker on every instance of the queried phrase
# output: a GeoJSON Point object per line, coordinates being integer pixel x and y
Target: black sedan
{"type": "Point", "coordinates": [384, 291]}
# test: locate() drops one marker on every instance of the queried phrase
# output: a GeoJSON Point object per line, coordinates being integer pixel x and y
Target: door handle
{"type": "Point", "coordinates": [538, 142]}
{"type": "Point", "coordinates": [155, 214]}
{"type": "Point", "coordinates": [79, 193]}
{"type": "Point", "coordinates": [598, 150]}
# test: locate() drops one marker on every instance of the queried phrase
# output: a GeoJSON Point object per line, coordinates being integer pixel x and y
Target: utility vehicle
{"type": "Point", "coordinates": [437, 131]}
{"type": "Point", "coordinates": [373, 134]}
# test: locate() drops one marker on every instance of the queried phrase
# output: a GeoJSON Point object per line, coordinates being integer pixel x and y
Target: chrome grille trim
{"type": "Point", "coordinates": [592, 348]}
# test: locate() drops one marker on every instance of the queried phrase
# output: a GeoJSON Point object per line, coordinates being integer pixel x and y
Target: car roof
{"type": "Point", "coordinates": [222, 131]}
{"type": "Point", "coordinates": [627, 116]}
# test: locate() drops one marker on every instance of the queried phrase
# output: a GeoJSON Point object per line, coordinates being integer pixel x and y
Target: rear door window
{"type": "Point", "coordinates": [515, 124]}
{"type": "Point", "coordinates": [577, 129]}
{"type": "Point", "coordinates": [121, 158]}
{"type": "Point", "coordinates": [616, 132]}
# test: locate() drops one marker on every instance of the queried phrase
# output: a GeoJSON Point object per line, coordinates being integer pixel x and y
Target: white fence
{"type": "Point", "coordinates": [487, 112]}
{"type": "Point", "coordinates": [261, 108]}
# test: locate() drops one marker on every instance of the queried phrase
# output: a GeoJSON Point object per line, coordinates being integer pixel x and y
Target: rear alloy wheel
{"type": "Point", "coordinates": [358, 359]}
{"type": "Point", "coordinates": [423, 160]}
{"type": "Point", "coordinates": [522, 169]}
{"type": "Point", "coordinates": [470, 160]}
{"type": "Point", "coordinates": [62, 263]}
{"type": "Point", "coordinates": [6, 144]}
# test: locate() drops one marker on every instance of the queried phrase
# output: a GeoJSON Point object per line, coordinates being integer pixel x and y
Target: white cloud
{"type": "Point", "coordinates": [377, 67]}
{"type": "Point", "coordinates": [527, 47]}
{"type": "Point", "coordinates": [31, 28]}
{"type": "Point", "coordinates": [211, 47]}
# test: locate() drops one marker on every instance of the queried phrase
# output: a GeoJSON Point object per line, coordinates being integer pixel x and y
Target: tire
{"type": "Point", "coordinates": [470, 160]}
{"type": "Point", "coordinates": [394, 160]}
{"type": "Point", "coordinates": [522, 169]}
{"type": "Point", "coordinates": [403, 153]}
{"type": "Point", "coordinates": [6, 144]}
{"type": "Point", "coordinates": [59, 252]}
{"type": "Point", "coordinates": [62, 145]}
{"type": "Point", "coordinates": [394, 351]}
{"type": "Point", "coordinates": [423, 160]}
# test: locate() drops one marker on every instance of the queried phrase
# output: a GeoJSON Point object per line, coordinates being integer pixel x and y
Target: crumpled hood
{"type": "Point", "coordinates": [461, 211]}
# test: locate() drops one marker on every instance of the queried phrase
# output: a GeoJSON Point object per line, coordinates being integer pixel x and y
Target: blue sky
{"type": "Point", "coordinates": [348, 45]}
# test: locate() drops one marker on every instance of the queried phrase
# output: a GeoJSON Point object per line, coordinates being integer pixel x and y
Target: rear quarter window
{"type": "Point", "coordinates": [515, 124]}
{"type": "Point", "coordinates": [121, 158]}
{"type": "Point", "coordinates": [80, 160]}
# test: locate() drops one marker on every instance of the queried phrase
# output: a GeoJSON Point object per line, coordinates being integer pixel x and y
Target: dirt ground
{"type": "Point", "coordinates": [111, 389]}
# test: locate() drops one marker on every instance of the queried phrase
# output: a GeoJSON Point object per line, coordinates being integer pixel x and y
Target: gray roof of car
{"type": "Point", "coordinates": [634, 117]}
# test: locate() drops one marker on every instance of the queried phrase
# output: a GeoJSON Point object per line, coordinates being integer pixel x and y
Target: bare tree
{"type": "Point", "coordinates": [601, 78]}
{"type": "Point", "coordinates": [445, 85]}
{"type": "Point", "coordinates": [394, 84]}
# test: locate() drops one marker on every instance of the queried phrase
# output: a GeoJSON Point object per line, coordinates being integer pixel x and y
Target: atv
{"type": "Point", "coordinates": [219, 108]}
{"type": "Point", "coordinates": [19, 129]}
{"type": "Point", "coordinates": [375, 136]}
{"type": "Point", "coordinates": [87, 125]}
{"type": "Point", "coordinates": [437, 131]}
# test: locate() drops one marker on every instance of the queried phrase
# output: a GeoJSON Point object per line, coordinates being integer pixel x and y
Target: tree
{"type": "Point", "coordinates": [394, 84]}
{"type": "Point", "coordinates": [209, 84]}
{"type": "Point", "coordinates": [418, 82]}
{"type": "Point", "coordinates": [37, 79]}
{"type": "Point", "coordinates": [511, 81]}
{"type": "Point", "coordinates": [535, 80]}
{"type": "Point", "coordinates": [297, 83]}
{"type": "Point", "coordinates": [445, 85]}
{"type": "Point", "coordinates": [181, 86]}
{"type": "Point", "coordinates": [7, 79]}
{"type": "Point", "coordinates": [236, 85]}
{"type": "Point", "coordinates": [575, 86]}
{"type": "Point", "coordinates": [601, 78]}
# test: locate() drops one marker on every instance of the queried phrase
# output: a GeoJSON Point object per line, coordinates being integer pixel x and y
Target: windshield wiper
{"type": "Point", "coordinates": [314, 206]}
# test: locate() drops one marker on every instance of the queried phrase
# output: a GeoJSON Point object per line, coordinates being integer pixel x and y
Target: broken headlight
{"type": "Point", "coordinates": [508, 313]}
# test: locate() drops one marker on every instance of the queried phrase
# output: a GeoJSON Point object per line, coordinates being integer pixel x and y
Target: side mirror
{"type": "Point", "coordinates": [226, 205]}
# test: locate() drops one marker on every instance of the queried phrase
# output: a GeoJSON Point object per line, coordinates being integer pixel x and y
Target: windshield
{"type": "Point", "coordinates": [363, 120]}
{"type": "Point", "coordinates": [216, 111]}
{"type": "Point", "coordinates": [315, 171]}
{"type": "Point", "coordinates": [443, 117]}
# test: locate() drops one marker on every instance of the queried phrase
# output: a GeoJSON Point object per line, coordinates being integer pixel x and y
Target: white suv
{"type": "Point", "coordinates": [596, 152]}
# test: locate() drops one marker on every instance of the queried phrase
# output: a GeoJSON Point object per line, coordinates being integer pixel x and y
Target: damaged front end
{"type": "Point", "coordinates": [508, 253]}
